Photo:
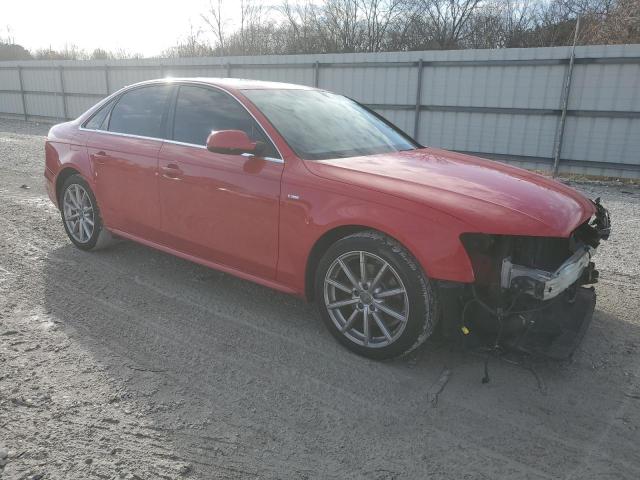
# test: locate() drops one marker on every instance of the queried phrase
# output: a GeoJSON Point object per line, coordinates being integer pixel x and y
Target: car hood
{"type": "Point", "coordinates": [490, 197]}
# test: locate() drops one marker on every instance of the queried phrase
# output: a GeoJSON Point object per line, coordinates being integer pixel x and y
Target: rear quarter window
{"type": "Point", "coordinates": [99, 120]}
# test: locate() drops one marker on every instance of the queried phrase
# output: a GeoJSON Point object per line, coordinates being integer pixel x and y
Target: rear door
{"type": "Point", "coordinates": [219, 207]}
{"type": "Point", "coordinates": [124, 153]}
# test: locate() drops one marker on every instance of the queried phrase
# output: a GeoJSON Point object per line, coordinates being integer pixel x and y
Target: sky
{"type": "Point", "coordinates": [139, 26]}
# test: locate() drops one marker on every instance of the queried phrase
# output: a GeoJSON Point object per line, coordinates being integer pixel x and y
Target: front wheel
{"type": "Point", "coordinates": [374, 297]}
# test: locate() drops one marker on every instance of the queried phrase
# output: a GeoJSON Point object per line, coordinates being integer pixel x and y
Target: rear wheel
{"type": "Point", "coordinates": [374, 297]}
{"type": "Point", "coordinates": [80, 215]}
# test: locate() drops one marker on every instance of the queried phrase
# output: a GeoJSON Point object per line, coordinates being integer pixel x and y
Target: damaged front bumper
{"type": "Point", "coordinates": [545, 285]}
{"type": "Point", "coordinates": [556, 331]}
{"type": "Point", "coordinates": [530, 293]}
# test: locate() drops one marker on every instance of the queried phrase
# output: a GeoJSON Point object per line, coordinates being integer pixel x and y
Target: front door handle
{"type": "Point", "coordinates": [171, 171]}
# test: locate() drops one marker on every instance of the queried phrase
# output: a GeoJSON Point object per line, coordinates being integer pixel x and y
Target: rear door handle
{"type": "Point", "coordinates": [171, 171]}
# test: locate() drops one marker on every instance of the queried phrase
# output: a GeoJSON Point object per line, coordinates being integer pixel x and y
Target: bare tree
{"type": "Point", "coordinates": [486, 28]}
{"type": "Point", "coordinates": [217, 22]}
{"type": "Point", "coordinates": [501, 24]}
{"type": "Point", "coordinates": [622, 25]}
{"type": "Point", "coordinates": [191, 46]}
{"type": "Point", "coordinates": [100, 54]}
{"type": "Point", "coordinates": [614, 22]}
{"type": "Point", "coordinates": [300, 26]}
{"type": "Point", "coordinates": [7, 38]}
{"type": "Point", "coordinates": [378, 16]}
{"type": "Point", "coordinates": [69, 52]}
{"type": "Point", "coordinates": [518, 17]}
{"type": "Point", "coordinates": [324, 26]}
{"type": "Point", "coordinates": [9, 49]}
{"type": "Point", "coordinates": [587, 7]}
{"type": "Point", "coordinates": [251, 23]}
{"type": "Point", "coordinates": [342, 28]}
{"type": "Point", "coordinates": [448, 19]}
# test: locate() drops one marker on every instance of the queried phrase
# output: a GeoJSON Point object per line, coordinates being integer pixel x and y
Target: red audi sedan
{"type": "Point", "coordinates": [311, 193]}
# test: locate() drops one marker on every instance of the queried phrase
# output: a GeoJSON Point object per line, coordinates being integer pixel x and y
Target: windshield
{"type": "Point", "coordinates": [318, 125]}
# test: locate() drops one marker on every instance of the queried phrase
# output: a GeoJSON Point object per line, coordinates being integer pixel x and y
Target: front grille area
{"type": "Point", "coordinates": [487, 253]}
{"type": "Point", "coordinates": [543, 253]}
{"type": "Point", "coordinates": [540, 252]}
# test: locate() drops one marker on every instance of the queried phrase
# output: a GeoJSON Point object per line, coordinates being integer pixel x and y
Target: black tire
{"type": "Point", "coordinates": [100, 236]}
{"type": "Point", "coordinates": [421, 297]}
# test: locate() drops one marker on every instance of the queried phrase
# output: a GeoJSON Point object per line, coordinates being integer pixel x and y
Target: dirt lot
{"type": "Point", "coordinates": [130, 363]}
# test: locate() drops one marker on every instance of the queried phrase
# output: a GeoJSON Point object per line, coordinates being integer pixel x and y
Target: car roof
{"type": "Point", "coordinates": [232, 83]}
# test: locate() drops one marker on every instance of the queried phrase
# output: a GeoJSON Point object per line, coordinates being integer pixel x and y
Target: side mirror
{"type": "Point", "coordinates": [231, 142]}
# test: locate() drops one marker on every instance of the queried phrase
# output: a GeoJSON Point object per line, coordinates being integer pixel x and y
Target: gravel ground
{"type": "Point", "coordinates": [130, 363]}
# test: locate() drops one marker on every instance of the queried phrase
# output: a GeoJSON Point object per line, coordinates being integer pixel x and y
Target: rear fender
{"type": "Point", "coordinates": [61, 158]}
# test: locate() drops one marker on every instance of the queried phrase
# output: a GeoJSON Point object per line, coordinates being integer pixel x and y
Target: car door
{"type": "Point", "coordinates": [123, 150]}
{"type": "Point", "coordinates": [219, 207]}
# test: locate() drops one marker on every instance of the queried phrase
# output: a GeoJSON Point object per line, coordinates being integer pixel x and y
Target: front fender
{"type": "Point", "coordinates": [432, 237]}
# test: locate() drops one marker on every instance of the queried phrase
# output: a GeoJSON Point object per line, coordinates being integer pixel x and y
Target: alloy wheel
{"type": "Point", "coordinates": [78, 211]}
{"type": "Point", "coordinates": [366, 299]}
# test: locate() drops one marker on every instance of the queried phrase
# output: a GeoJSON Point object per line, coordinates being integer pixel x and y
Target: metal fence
{"type": "Point", "coordinates": [501, 104]}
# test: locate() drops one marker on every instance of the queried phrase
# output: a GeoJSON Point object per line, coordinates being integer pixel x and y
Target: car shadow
{"type": "Point", "coordinates": [208, 354]}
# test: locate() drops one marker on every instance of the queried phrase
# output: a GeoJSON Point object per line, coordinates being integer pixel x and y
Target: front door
{"type": "Point", "coordinates": [218, 207]}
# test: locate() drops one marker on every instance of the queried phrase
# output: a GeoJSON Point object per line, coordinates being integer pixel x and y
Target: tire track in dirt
{"type": "Point", "coordinates": [83, 285]}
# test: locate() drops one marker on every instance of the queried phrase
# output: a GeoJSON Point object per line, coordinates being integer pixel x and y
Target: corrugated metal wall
{"type": "Point", "coordinates": [502, 104]}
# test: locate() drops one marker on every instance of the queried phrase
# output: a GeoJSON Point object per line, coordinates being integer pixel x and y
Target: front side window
{"type": "Point", "coordinates": [201, 110]}
{"type": "Point", "coordinates": [320, 125]}
{"type": "Point", "coordinates": [140, 111]}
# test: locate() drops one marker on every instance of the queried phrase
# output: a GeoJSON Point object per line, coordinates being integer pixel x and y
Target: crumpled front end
{"type": "Point", "coordinates": [532, 293]}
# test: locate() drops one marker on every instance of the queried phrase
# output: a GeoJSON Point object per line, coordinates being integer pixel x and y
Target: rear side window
{"type": "Point", "coordinates": [140, 111]}
{"type": "Point", "coordinates": [200, 110]}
